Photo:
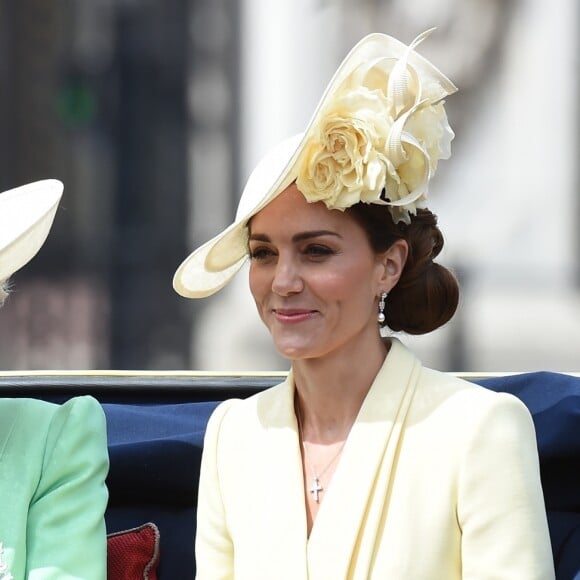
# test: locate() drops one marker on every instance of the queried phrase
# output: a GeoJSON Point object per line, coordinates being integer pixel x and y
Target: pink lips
{"type": "Point", "coordinates": [293, 315]}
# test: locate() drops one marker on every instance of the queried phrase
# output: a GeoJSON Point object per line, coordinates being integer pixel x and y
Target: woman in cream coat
{"type": "Point", "coordinates": [53, 458]}
{"type": "Point", "coordinates": [362, 464]}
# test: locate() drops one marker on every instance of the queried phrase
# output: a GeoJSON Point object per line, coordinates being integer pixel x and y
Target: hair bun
{"type": "Point", "coordinates": [427, 294]}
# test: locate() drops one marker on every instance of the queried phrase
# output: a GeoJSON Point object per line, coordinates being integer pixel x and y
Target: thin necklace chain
{"type": "Point", "coordinates": [316, 487]}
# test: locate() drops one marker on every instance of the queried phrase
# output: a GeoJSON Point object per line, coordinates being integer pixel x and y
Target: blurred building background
{"type": "Point", "coordinates": [154, 112]}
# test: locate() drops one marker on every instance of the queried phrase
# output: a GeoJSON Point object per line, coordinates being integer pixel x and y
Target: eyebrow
{"type": "Point", "coordinates": [297, 237]}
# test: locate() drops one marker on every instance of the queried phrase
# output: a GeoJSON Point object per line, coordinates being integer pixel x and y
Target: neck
{"type": "Point", "coordinates": [330, 391]}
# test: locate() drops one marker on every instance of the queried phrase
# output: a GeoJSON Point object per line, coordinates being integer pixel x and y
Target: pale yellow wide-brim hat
{"type": "Point", "coordinates": [210, 267]}
{"type": "Point", "coordinates": [26, 216]}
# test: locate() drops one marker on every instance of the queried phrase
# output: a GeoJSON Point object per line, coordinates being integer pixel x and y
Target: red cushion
{"type": "Point", "coordinates": [133, 554]}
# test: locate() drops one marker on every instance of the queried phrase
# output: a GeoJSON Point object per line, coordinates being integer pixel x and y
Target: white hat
{"type": "Point", "coordinates": [26, 215]}
{"type": "Point", "coordinates": [384, 108]}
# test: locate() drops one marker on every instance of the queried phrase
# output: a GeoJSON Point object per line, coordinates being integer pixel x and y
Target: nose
{"type": "Point", "coordinates": [287, 279]}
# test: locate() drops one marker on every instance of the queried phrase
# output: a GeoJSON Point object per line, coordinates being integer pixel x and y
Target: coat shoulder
{"type": "Point", "coordinates": [464, 398]}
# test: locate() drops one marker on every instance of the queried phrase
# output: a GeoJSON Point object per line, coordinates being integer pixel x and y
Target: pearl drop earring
{"type": "Point", "coordinates": [381, 315]}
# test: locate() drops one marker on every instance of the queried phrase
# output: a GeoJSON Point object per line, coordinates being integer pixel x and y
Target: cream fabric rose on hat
{"type": "Point", "coordinates": [378, 141]}
{"type": "Point", "coordinates": [342, 162]}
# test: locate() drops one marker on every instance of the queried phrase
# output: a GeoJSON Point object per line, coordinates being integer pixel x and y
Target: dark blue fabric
{"type": "Point", "coordinates": [155, 453]}
{"type": "Point", "coordinates": [554, 401]}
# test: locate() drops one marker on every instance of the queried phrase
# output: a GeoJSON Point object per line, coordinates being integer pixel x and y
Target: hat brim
{"type": "Point", "coordinates": [26, 216]}
{"type": "Point", "coordinates": [210, 267]}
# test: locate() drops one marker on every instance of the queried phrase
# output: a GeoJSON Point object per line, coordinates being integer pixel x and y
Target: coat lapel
{"type": "Point", "coordinates": [343, 538]}
{"type": "Point", "coordinates": [284, 529]}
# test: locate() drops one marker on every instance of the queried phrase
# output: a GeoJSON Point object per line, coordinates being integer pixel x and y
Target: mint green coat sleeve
{"type": "Point", "coordinates": [53, 466]}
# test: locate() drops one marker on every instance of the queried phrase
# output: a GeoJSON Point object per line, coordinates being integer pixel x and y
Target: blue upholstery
{"type": "Point", "coordinates": [155, 452]}
{"type": "Point", "coordinates": [156, 427]}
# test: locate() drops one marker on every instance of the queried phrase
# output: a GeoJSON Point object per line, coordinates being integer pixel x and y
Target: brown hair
{"type": "Point", "coordinates": [427, 294]}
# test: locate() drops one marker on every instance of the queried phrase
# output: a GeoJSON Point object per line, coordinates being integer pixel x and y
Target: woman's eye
{"type": "Point", "coordinates": [260, 253]}
{"type": "Point", "coordinates": [317, 250]}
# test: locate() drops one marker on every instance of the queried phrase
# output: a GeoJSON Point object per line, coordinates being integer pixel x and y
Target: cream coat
{"type": "Point", "coordinates": [438, 479]}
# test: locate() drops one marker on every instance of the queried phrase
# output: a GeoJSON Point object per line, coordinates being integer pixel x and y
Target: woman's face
{"type": "Point", "coordinates": [314, 277]}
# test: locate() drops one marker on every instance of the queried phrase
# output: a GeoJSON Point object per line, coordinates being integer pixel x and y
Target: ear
{"type": "Point", "coordinates": [392, 263]}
